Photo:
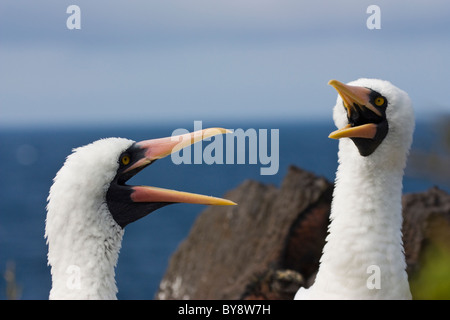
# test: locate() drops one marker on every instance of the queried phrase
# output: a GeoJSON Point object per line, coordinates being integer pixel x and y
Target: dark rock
{"type": "Point", "coordinates": [426, 217]}
{"type": "Point", "coordinates": [273, 285]}
{"type": "Point", "coordinates": [270, 244]}
{"type": "Point", "coordinates": [230, 248]}
{"type": "Point", "coordinates": [426, 237]}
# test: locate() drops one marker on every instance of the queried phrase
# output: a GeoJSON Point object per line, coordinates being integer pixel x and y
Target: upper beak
{"type": "Point", "coordinates": [160, 148]}
{"type": "Point", "coordinates": [354, 97]}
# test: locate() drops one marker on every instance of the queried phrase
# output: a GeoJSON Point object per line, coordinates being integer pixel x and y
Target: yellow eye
{"type": "Point", "coordinates": [379, 101]}
{"type": "Point", "coordinates": [125, 159]}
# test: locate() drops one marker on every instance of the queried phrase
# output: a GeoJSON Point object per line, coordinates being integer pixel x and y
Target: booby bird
{"type": "Point", "coordinates": [90, 204]}
{"type": "Point", "coordinates": [363, 257]}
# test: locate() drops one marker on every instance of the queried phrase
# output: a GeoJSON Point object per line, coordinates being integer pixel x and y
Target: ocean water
{"type": "Point", "coordinates": [30, 159]}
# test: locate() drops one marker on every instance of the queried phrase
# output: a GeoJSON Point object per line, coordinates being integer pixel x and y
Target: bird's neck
{"type": "Point", "coordinates": [363, 256]}
{"type": "Point", "coordinates": [83, 257]}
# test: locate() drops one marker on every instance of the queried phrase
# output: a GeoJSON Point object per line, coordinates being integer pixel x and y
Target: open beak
{"type": "Point", "coordinates": [159, 148]}
{"type": "Point", "coordinates": [356, 99]}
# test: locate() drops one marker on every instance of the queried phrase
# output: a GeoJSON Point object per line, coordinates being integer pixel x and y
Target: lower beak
{"type": "Point", "coordinates": [367, 131]}
{"type": "Point", "coordinates": [160, 148]}
{"type": "Point", "coordinates": [153, 194]}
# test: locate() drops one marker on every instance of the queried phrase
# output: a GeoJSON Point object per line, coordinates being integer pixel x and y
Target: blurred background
{"type": "Point", "coordinates": [140, 69]}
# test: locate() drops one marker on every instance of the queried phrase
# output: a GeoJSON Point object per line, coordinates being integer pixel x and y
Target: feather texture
{"type": "Point", "coordinates": [363, 256]}
{"type": "Point", "coordinates": [83, 238]}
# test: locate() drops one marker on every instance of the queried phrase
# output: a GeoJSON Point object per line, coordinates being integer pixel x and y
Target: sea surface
{"type": "Point", "coordinates": [30, 158]}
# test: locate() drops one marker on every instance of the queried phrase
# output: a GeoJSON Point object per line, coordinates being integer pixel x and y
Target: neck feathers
{"type": "Point", "coordinates": [363, 257]}
{"type": "Point", "coordinates": [83, 255]}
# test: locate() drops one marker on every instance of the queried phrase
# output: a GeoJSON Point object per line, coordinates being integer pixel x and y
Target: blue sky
{"type": "Point", "coordinates": [161, 61]}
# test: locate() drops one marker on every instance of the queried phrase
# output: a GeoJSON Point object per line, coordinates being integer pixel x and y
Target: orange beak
{"type": "Point", "coordinates": [160, 148]}
{"type": "Point", "coordinates": [354, 97]}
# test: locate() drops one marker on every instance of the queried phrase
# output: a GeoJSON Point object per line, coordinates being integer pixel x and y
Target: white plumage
{"type": "Point", "coordinates": [363, 256]}
{"type": "Point", "coordinates": [82, 236]}
{"type": "Point", "coordinates": [89, 205]}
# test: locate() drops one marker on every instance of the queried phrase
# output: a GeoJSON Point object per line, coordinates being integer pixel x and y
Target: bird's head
{"type": "Point", "coordinates": [375, 115]}
{"type": "Point", "coordinates": [97, 174]}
